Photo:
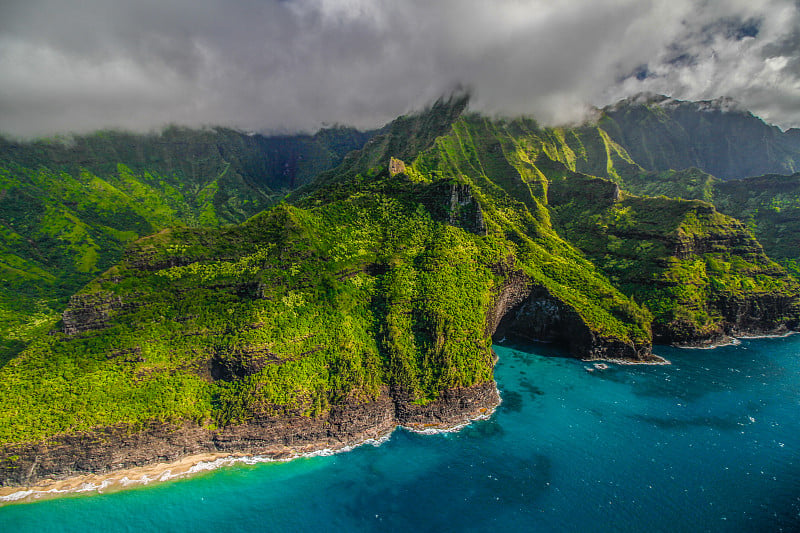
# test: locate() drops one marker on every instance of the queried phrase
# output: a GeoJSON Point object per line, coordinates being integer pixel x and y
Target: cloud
{"type": "Point", "coordinates": [292, 65]}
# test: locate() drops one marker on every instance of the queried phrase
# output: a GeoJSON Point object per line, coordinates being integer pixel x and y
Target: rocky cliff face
{"type": "Point", "coordinates": [760, 314]}
{"type": "Point", "coordinates": [465, 210]}
{"type": "Point", "coordinates": [120, 447]}
{"type": "Point", "coordinates": [701, 273]}
{"type": "Point", "coordinates": [529, 312]}
{"type": "Point", "coordinates": [90, 312]}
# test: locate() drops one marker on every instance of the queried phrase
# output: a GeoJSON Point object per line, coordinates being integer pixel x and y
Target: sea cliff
{"type": "Point", "coordinates": [123, 447]}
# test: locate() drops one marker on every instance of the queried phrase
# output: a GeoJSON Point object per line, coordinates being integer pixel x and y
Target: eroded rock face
{"type": "Point", "coordinates": [396, 166]}
{"type": "Point", "coordinates": [464, 210]}
{"type": "Point", "coordinates": [120, 447]}
{"type": "Point", "coordinates": [763, 314]}
{"type": "Point", "coordinates": [90, 312]}
{"type": "Point", "coordinates": [453, 407]}
{"type": "Point", "coordinates": [512, 294]}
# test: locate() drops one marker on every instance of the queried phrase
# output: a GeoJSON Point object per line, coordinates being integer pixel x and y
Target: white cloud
{"type": "Point", "coordinates": [294, 64]}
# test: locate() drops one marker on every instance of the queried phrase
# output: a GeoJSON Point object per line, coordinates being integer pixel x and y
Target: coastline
{"type": "Point", "coordinates": [734, 340]}
{"type": "Point", "coordinates": [112, 481]}
{"type": "Point", "coordinates": [197, 463]}
{"type": "Point", "coordinates": [192, 464]}
{"type": "Point", "coordinates": [185, 467]}
{"type": "Point", "coordinates": [656, 360]}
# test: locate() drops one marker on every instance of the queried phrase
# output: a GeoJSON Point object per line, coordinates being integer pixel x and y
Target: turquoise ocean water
{"type": "Point", "coordinates": [709, 443]}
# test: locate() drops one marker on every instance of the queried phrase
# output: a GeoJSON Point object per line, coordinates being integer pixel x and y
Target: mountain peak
{"type": "Point", "coordinates": [724, 104]}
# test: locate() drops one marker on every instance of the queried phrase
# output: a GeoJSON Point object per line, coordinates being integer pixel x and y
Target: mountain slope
{"type": "Point", "coordinates": [716, 136]}
{"type": "Point", "coordinates": [701, 273]}
{"type": "Point", "coordinates": [769, 205]}
{"type": "Point", "coordinates": [68, 207]}
{"type": "Point", "coordinates": [372, 301]}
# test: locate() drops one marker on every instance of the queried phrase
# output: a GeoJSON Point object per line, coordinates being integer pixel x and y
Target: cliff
{"type": "Point", "coordinates": [125, 446]}
{"type": "Point", "coordinates": [700, 272]}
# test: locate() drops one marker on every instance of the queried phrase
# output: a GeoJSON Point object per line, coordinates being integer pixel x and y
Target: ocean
{"type": "Point", "coordinates": [708, 443]}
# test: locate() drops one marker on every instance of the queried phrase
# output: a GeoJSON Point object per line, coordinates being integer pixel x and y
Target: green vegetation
{"type": "Point", "coordinates": [69, 206]}
{"type": "Point", "coordinates": [691, 266]}
{"type": "Point", "coordinates": [364, 282]}
{"type": "Point", "coordinates": [716, 136]}
{"type": "Point", "coordinates": [768, 205]}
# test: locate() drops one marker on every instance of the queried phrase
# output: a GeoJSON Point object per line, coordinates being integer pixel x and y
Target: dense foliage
{"type": "Point", "coordinates": [769, 205]}
{"type": "Point", "coordinates": [69, 206]}
{"type": "Point", "coordinates": [377, 278]}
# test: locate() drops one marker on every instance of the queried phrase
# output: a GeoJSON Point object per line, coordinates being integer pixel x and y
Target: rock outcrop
{"type": "Point", "coordinates": [465, 210]}
{"type": "Point", "coordinates": [90, 312]}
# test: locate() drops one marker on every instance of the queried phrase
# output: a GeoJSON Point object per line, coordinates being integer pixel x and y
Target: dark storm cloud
{"type": "Point", "coordinates": [294, 64]}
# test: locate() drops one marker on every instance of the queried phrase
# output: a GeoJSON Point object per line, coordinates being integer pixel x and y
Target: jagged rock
{"type": "Point", "coordinates": [396, 166]}
{"type": "Point", "coordinates": [90, 312]}
{"type": "Point", "coordinates": [465, 210]}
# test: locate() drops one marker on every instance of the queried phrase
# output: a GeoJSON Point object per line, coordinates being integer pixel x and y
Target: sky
{"type": "Point", "coordinates": [296, 65]}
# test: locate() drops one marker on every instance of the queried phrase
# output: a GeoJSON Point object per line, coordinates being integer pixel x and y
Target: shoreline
{"type": "Point", "coordinates": [195, 464]}
{"type": "Point", "coordinates": [656, 360]}
{"type": "Point", "coordinates": [198, 463]}
{"type": "Point", "coordinates": [734, 340]}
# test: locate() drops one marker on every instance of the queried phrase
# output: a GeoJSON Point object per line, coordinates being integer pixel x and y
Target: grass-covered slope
{"type": "Point", "coordinates": [769, 205]}
{"type": "Point", "coordinates": [69, 206]}
{"type": "Point", "coordinates": [375, 282]}
{"type": "Point", "coordinates": [387, 279]}
{"type": "Point", "coordinates": [292, 311]}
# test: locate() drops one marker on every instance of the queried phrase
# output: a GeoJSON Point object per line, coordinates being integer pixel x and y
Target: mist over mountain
{"type": "Point", "coordinates": [718, 136]}
{"type": "Point", "coordinates": [293, 65]}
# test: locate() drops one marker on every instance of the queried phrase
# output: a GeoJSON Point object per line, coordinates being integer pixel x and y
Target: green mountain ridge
{"type": "Point", "coordinates": [70, 206]}
{"type": "Point", "coordinates": [383, 283]}
{"type": "Point", "coordinates": [716, 136]}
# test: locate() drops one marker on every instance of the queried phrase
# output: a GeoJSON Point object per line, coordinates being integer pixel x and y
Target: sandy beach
{"type": "Point", "coordinates": [118, 479]}
{"type": "Point", "coordinates": [192, 465]}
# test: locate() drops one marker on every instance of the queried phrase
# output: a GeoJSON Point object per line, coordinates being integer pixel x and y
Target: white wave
{"type": "Point", "coordinates": [768, 335]}
{"type": "Point", "coordinates": [14, 496]}
{"type": "Point", "coordinates": [737, 340]}
{"type": "Point", "coordinates": [730, 341]}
